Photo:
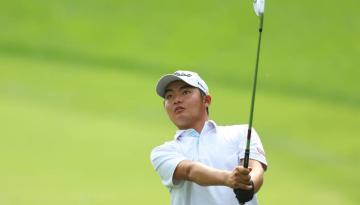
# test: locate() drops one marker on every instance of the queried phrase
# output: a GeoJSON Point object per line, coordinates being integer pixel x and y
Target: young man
{"type": "Point", "coordinates": [201, 166]}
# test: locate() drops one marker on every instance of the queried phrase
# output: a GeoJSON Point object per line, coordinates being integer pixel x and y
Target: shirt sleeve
{"type": "Point", "coordinates": [165, 159]}
{"type": "Point", "coordinates": [256, 148]}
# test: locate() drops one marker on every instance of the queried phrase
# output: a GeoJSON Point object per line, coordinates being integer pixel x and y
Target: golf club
{"type": "Point", "coordinates": [259, 6]}
{"type": "Point", "coordinates": [260, 13]}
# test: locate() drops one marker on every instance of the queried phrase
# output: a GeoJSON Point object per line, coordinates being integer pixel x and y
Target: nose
{"type": "Point", "coordinates": [177, 99]}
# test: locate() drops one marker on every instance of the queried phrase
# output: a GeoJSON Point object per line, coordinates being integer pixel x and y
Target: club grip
{"type": "Point", "coordinates": [246, 158]}
{"type": "Point", "coordinates": [244, 195]}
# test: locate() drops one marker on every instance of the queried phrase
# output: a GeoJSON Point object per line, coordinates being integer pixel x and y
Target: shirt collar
{"type": "Point", "coordinates": [209, 125]}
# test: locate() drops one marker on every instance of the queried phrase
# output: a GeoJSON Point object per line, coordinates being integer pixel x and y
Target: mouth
{"type": "Point", "coordinates": [179, 109]}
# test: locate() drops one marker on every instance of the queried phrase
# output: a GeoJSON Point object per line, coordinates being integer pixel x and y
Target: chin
{"type": "Point", "coordinates": [182, 124]}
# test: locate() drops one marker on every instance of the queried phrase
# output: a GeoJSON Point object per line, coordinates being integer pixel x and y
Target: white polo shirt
{"type": "Point", "coordinates": [220, 147]}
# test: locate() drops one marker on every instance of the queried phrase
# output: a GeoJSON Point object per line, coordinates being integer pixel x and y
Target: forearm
{"type": "Point", "coordinates": [256, 174]}
{"type": "Point", "coordinates": [207, 176]}
{"type": "Point", "coordinates": [200, 174]}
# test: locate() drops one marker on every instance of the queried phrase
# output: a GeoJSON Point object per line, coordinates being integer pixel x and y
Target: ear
{"type": "Point", "coordinates": [207, 100]}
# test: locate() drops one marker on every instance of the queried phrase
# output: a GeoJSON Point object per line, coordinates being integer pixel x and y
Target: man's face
{"type": "Point", "coordinates": [185, 105]}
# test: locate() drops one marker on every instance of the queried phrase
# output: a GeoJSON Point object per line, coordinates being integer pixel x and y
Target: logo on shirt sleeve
{"type": "Point", "coordinates": [260, 150]}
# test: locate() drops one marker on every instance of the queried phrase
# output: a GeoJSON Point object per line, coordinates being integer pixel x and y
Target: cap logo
{"type": "Point", "coordinates": [201, 85]}
{"type": "Point", "coordinates": [182, 74]}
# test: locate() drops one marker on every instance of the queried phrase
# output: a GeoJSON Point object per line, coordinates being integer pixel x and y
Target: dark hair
{"type": "Point", "coordinates": [203, 95]}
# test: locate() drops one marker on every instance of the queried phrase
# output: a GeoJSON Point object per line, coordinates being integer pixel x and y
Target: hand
{"type": "Point", "coordinates": [239, 178]}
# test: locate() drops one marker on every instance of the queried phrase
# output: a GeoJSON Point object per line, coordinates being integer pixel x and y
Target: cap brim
{"type": "Point", "coordinates": [164, 82]}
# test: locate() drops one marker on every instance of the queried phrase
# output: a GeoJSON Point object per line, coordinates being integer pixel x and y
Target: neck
{"type": "Point", "coordinates": [198, 125]}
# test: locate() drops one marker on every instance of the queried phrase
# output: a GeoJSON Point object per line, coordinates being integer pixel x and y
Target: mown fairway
{"type": "Point", "coordinates": [79, 114]}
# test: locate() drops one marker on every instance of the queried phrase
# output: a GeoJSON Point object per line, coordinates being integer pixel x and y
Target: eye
{"type": "Point", "coordinates": [185, 92]}
{"type": "Point", "coordinates": [168, 96]}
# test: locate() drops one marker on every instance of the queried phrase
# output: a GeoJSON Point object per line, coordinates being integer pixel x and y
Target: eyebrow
{"type": "Point", "coordinates": [182, 87]}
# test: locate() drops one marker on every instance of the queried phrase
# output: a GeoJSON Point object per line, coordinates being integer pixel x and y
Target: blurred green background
{"type": "Point", "coordinates": [79, 114]}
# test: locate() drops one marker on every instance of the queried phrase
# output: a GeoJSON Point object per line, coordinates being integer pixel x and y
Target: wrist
{"type": "Point", "coordinates": [225, 178]}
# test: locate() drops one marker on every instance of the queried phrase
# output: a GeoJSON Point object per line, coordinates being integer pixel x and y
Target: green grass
{"type": "Point", "coordinates": [79, 114]}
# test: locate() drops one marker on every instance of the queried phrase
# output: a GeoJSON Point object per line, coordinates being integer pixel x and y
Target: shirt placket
{"type": "Point", "coordinates": [196, 137]}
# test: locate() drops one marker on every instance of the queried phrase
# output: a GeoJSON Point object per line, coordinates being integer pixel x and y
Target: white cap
{"type": "Point", "coordinates": [188, 77]}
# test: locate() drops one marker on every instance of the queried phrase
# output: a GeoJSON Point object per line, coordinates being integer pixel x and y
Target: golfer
{"type": "Point", "coordinates": [202, 164]}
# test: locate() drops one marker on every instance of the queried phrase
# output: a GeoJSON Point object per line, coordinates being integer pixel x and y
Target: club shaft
{"type": "Point", "coordinates": [247, 149]}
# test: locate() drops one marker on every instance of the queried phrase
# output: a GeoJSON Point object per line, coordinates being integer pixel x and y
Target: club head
{"type": "Point", "coordinates": [259, 7]}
